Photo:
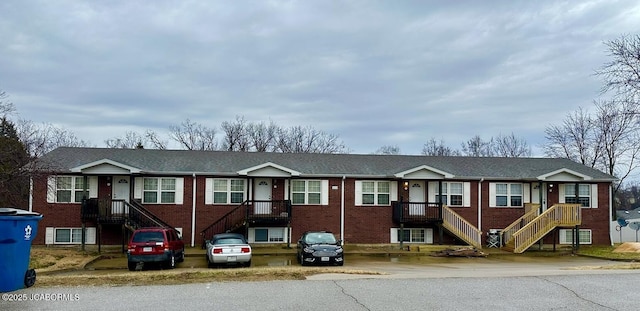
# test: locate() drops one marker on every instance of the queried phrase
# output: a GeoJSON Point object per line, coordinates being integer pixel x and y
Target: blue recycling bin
{"type": "Point", "coordinates": [17, 230]}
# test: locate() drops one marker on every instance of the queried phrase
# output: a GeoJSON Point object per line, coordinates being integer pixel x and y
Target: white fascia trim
{"type": "Point", "coordinates": [246, 171]}
{"type": "Point", "coordinates": [79, 169]}
{"type": "Point", "coordinates": [425, 167]}
{"type": "Point", "coordinates": [564, 170]}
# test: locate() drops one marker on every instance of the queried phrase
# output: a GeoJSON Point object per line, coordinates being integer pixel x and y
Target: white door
{"type": "Point", "coordinates": [120, 191]}
{"type": "Point", "coordinates": [416, 195]}
{"type": "Point", "coordinates": [263, 194]}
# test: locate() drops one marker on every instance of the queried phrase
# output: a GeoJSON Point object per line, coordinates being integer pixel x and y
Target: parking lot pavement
{"type": "Point", "coordinates": [480, 267]}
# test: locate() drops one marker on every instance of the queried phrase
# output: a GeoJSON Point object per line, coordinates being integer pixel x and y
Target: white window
{"type": "Point", "coordinates": [583, 196]}
{"type": "Point", "coordinates": [507, 194]}
{"type": "Point", "coordinates": [268, 235]}
{"type": "Point", "coordinates": [159, 190]}
{"type": "Point", "coordinates": [306, 191]}
{"type": "Point", "coordinates": [70, 189]}
{"type": "Point", "coordinates": [566, 236]}
{"type": "Point", "coordinates": [412, 235]}
{"type": "Point", "coordinates": [228, 191]}
{"type": "Point", "coordinates": [452, 193]}
{"type": "Point", "coordinates": [69, 235]}
{"type": "Point", "coordinates": [375, 193]}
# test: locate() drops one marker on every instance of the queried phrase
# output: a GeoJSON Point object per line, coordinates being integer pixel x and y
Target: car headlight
{"type": "Point", "coordinates": [308, 250]}
{"type": "Point", "coordinates": [339, 250]}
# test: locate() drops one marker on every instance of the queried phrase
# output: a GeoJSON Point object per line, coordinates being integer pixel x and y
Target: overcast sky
{"type": "Point", "coordinates": [372, 72]}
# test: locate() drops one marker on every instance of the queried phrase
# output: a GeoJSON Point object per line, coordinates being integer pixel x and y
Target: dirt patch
{"type": "Point", "coordinates": [628, 247]}
{"type": "Point", "coordinates": [48, 259]}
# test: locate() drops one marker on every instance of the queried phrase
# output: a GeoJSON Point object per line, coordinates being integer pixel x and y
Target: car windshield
{"type": "Point", "coordinates": [225, 241]}
{"type": "Point", "coordinates": [320, 238]}
{"type": "Point", "coordinates": [149, 236]}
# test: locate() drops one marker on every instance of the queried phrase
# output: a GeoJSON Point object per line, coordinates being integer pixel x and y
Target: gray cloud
{"type": "Point", "coordinates": [374, 72]}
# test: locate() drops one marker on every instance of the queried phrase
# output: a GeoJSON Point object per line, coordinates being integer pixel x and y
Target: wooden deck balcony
{"type": "Point", "coordinates": [417, 213]}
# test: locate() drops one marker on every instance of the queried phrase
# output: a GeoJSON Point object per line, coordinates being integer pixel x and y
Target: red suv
{"type": "Point", "coordinates": [155, 245]}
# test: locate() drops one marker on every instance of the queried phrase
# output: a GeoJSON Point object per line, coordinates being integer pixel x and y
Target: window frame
{"type": "Point", "coordinates": [306, 192]}
{"type": "Point", "coordinates": [229, 190]}
{"type": "Point", "coordinates": [566, 236]}
{"type": "Point", "coordinates": [509, 196]}
{"type": "Point", "coordinates": [73, 189]}
{"type": "Point", "coordinates": [71, 235]}
{"type": "Point", "coordinates": [159, 190]}
{"type": "Point", "coordinates": [580, 199]}
{"type": "Point", "coordinates": [421, 232]}
{"type": "Point", "coordinates": [376, 193]}
{"type": "Point", "coordinates": [274, 235]}
{"type": "Point", "coordinates": [448, 196]}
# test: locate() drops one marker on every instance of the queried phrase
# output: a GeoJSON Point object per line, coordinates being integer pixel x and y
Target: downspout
{"type": "Point", "coordinates": [193, 212]}
{"type": "Point", "coordinates": [480, 204]}
{"type": "Point", "coordinates": [611, 214]}
{"type": "Point", "coordinates": [342, 210]}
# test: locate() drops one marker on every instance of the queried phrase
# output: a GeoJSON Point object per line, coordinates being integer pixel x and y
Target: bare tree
{"type": "Point", "coordinates": [155, 140]}
{"type": "Point", "coordinates": [262, 137]}
{"type": "Point", "coordinates": [14, 183]}
{"type": "Point", "coordinates": [622, 73]}
{"type": "Point", "coordinates": [511, 146]}
{"type": "Point", "coordinates": [39, 139]}
{"type": "Point", "coordinates": [618, 129]}
{"type": "Point", "coordinates": [6, 107]}
{"type": "Point", "coordinates": [576, 139]}
{"type": "Point", "coordinates": [130, 140]}
{"type": "Point", "coordinates": [435, 148]}
{"type": "Point", "coordinates": [390, 150]}
{"type": "Point", "coordinates": [236, 135]}
{"type": "Point", "coordinates": [194, 136]}
{"type": "Point", "coordinates": [299, 139]}
{"type": "Point", "coordinates": [476, 147]}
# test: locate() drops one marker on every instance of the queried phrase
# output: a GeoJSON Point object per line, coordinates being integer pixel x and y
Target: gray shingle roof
{"type": "Point", "coordinates": [149, 161]}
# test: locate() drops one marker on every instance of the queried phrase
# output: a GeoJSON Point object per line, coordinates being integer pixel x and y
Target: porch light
{"type": "Point", "coordinates": [406, 185]}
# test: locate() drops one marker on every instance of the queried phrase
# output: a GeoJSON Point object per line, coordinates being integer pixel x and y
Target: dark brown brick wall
{"type": "Point", "coordinates": [362, 224]}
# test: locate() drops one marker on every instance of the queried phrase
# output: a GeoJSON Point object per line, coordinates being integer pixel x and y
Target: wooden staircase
{"type": "Point", "coordinates": [461, 228]}
{"type": "Point", "coordinates": [532, 211]}
{"type": "Point", "coordinates": [557, 216]}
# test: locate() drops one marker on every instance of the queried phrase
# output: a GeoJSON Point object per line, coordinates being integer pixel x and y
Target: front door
{"type": "Point", "coordinates": [120, 194]}
{"type": "Point", "coordinates": [262, 196]}
{"type": "Point", "coordinates": [416, 197]}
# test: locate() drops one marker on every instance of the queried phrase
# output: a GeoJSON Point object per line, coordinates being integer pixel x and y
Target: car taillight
{"type": "Point", "coordinates": [166, 246]}
{"type": "Point", "coordinates": [245, 250]}
{"type": "Point", "coordinates": [217, 250]}
{"type": "Point", "coordinates": [131, 249]}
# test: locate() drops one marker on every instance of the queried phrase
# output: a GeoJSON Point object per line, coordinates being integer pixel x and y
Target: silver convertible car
{"type": "Point", "coordinates": [228, 249]}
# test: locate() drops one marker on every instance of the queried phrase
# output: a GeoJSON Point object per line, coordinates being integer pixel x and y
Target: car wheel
{"type": "Point", "coordinates": [247, 264]}
{"type": "Point", "coordinates": [30, 278]}
{"type": "Point", "coordinates": [132, 265]}
{"type": "Point", "coordinates": [340, 263]}
{"type": "Point", "coordinates": [210, 264]}
{"type": "Point", "coordinates": [181, 259]}
{"type": "Point", "coordinates": [302, 262]}
{"type": "Point", "coordinates": [171, 263]}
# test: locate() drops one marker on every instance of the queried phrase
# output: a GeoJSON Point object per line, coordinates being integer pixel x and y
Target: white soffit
{"type": "Point", "coordinates": [424, 172]}
{"type": "Point", "coordinates": [105, 166]}
{"type": "Point", "coordinates": [268, 169]}
{"type": "Point", "coordinates": [564, 174]}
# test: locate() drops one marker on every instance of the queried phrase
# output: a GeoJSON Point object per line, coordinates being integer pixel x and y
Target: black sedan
{"type": "Point", "coordinates": [320, 247]}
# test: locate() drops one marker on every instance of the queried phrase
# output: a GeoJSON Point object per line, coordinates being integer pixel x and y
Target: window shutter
{"type": "Point", "coordinates": [324, 194]}
{"type": "Point", "coordinates": [138, 185]}
{"type": "Point", "coordinates": [51, 189]}
{"type": "Point", "coordinates": [93, 186]}
{"type": "Point", "coordinates": [358, 192]}
{"type": "Point", "coordinates": [393, 188]}
{"type": "Point", "coordinates": [492, 194]}
{"type": "Point", "coordinates": [594, 196]}
{"type": "Point", "coordinates": [90, 235]}
{"type": "Point", "coordinates": [432, 189]}
{"type": "Point", "coordinates": [393, 232]}
{"type": "Point", "coordinates": [179, 190]}
{"type": "Point", "coordinates": [561, 193]}
{"type": "Point", "coordinates": [466, 194]}
{"type": "Point", "coordinates": [208, 191]}
{"type": "Point", "coordinates": [48, 236]}
{"type": "Point", "coordinates": [526, 193]}
{"type": "Point", "coordinates": [251, 235]}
